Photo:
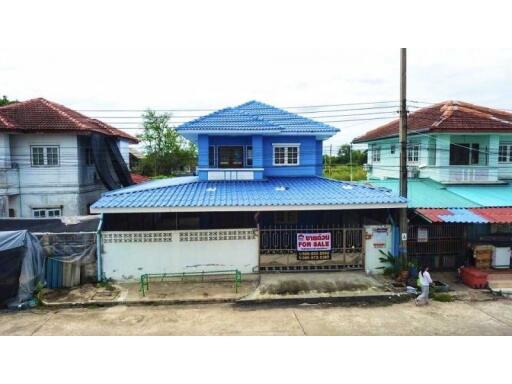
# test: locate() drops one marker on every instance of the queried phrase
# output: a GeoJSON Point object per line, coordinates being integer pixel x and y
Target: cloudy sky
{"type": "Point", "coordinates": [201, 55]}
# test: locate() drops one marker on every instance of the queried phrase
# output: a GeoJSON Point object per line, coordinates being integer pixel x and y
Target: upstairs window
{"type": "Point", "coordinates": [464, 154]}
{"type": "Point", "coordinates": [286, 154]}
{"type": "Point", "coordinates": [41, 213]}
{"type": "Point", "coordinates": [376, 153]}
{"type": "Point", "coordinates": [45, 156]}
{"type": "Point", "coordinates": [413, 153]}
{"type": "Point", "coordinates": [505, 153]}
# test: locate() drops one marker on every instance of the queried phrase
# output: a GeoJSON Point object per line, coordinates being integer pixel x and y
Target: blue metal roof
{"type": "Point", "coordinates": [255, 117]}
{"type": "Point", "coordinates": [427, 193]}
{"type": "Point", "coordinates": [485, 195]}
{"type": "Point", "coordinates": [186, 193]}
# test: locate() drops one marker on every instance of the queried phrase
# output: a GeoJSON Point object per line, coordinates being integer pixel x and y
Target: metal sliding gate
{"type": "Point", "coordinates": [278, 249]}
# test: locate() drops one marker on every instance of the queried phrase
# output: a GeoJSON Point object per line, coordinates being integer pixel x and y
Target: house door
{"type": "Point", "coordinates": [231, 156]}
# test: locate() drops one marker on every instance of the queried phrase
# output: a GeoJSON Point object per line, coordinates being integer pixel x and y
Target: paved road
{"type": "Point", "coordinates": [456, 318]}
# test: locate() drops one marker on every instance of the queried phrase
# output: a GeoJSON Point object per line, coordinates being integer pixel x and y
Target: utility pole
{"type": "Point", "coordinates": [403, 152]}
{"type": "Point", "coordinates": [350, 159]}
{"type": "Point", "coordinates": [330, 160]}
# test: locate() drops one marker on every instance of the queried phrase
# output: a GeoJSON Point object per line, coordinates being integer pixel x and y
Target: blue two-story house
{"type": "Point", "coordinates": [259, 202]}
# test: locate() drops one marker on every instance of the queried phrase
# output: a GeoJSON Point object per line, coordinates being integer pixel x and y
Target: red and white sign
{"type": "Point", "coordinates": [314, 241]}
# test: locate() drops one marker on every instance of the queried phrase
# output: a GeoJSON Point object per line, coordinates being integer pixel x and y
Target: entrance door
{"type": "Point", "coordinates": [231, 156]}
{"type": "Point", "coordinates": [279, 251]}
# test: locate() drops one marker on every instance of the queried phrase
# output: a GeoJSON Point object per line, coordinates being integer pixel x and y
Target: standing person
{"type": "Point", "coordinates": [425, 281]}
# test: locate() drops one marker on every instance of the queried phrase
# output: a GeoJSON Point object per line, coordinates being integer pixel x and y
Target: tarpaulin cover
{"type": "Point", "coordinates": [73, 248]}
{"type": "Point", "coordinates": [111, 168]}
{"type": "Point", "coordinates": [27, 262]}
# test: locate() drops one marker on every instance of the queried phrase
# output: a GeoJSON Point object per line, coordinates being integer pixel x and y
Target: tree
{"type": "Point", "coordinates": [167, 153]}
{"type": "Point", "coordinates": [5, 101]}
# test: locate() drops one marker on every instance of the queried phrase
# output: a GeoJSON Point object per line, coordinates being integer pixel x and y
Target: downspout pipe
{"type": "Point", "coordinates": [99, 260]}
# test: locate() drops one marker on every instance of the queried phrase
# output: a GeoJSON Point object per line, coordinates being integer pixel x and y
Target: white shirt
{"type": "Point", "coordinates": [425, 278]}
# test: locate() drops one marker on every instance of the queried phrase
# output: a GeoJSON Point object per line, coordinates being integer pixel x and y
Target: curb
{"type": "Point", "coordinates": [133, 303]}
{"type": "Point", "coordinates": [393, 298]}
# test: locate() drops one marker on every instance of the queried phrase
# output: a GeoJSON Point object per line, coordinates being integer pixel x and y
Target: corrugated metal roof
{"type": "Point", "coordinates": [426, 193]}
{"type": "Point", "coordinates": [255, 117]}
{"type": "Point", "coordinates": [485, 195]}
{"type": "Point", "coordinates": [190, 192]}
{"type": "Point", "coordinates": [467, 215]}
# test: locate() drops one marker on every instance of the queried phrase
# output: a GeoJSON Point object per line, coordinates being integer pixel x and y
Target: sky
{"type": "Point", "coordinates": [207, 55]}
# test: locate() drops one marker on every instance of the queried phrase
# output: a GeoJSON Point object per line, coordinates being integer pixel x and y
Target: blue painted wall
{"type": "Point", "coordinates": [310, 153]}
{"type": "Point", "coordinates": [310, 163]}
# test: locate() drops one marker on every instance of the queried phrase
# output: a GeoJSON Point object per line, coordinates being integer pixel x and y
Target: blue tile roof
{"type": "Point", "coordinates": [255, 117]}
{"type": "Point", "coordinates": [273, 192]}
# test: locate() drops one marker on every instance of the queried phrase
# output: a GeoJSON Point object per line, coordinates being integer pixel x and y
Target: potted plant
{"type": "Point", "coordinates": [395, 267]}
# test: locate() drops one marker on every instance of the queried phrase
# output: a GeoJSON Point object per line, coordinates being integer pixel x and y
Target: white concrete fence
{"type": "Point", "coordinates": [127, 255]}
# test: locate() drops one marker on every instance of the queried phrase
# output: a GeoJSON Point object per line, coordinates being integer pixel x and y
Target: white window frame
{"type": "Point", "coordinates": [413, 153]}
{"type": "Point", "coordinates": [286, 146]}
{"type": "Point", "coordinates": [375, 153]}
{"type": "Point", "coordinates": [45, 155]}
{"type": "Point", "coordinates": [44, 213]}
{"type": "Point", "coordinates": [508, 152]}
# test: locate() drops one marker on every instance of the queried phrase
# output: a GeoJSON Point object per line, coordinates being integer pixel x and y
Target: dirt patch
{"type": "Point", "coordinates": [82, 294]}
{"type": "Point", "coordinates": [294, 287]}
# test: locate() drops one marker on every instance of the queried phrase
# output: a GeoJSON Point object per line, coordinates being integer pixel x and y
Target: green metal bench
{"type": "Point", "coordinates": [145, 278]}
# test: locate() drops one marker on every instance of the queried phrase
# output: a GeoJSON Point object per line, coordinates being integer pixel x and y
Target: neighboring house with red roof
{"type": "Point", "coordinates": [450, 142]}
{"type": "Point", "coordinates": [459, 159]}
{"type": "Point", "coordinates": [48, 162]}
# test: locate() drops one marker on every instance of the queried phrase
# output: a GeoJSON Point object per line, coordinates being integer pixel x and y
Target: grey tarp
{"type": "Point", "coordinates": [32, 262]}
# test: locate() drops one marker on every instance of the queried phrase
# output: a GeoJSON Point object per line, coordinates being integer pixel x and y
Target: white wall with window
{"type": "Point", "coordinates": [375, 153]}
{"type": "Point", "coordinates": [45, 155]}
{"type": "Point", "coordinates": [286, 154]}
{"type": "Point", "coordinates": [43, 213]}
{"type": "Point", "coordinates": [55, 175]}
{"type": "Point", "coordinates": [413, 153]}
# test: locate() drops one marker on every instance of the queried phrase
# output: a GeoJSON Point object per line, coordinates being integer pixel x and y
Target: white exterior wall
{"type": "Point", "coordinates": [70, 186]}
{"type": "Point", "coordinates": [488, 169]}
{"type": "Point", "coordinates": [128, 255]}
{"type": "Point", "coordinates": [372, 253]}
{"type": "Point", "coordinates": [388, 166]}
{"type": "Point", "coordinates": [504, 169]}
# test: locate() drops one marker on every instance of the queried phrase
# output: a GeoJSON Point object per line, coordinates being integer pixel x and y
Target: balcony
{"type": "Point", "coordinates": [230, 173]}
{"type": "Point", "coordinates": [462, 174]}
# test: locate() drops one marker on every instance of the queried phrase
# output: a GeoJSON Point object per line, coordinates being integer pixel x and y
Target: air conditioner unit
{"type": "Point", "coordinates": [413, 172]}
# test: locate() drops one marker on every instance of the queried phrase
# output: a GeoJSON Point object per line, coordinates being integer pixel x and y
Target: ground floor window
{"type": "Point", "coordinates": [46, 212]}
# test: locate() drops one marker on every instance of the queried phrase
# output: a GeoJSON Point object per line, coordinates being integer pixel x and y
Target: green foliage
{"type": "Point", "coordinates": [342, 172]}
{"type": "Point", "coordinates": [167, 153]}
{"type": "Point", "coordinates": [392, 267]}
{"type": "Point", "coordinates": [442, 297]}
{"type": "Point", "coordinates": [5, 101]}
{"type": "Point", "coordinates": [394, 264]}
{"type": "Point", "coordinates": [359, 157]}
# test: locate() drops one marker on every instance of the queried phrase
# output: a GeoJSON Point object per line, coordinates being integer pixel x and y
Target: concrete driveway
{"type": "Point", "coordinates": [455, 318]}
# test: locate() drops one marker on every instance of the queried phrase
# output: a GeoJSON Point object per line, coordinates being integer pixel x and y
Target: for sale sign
{"type": "Point", "coordinates": [314, 241]}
